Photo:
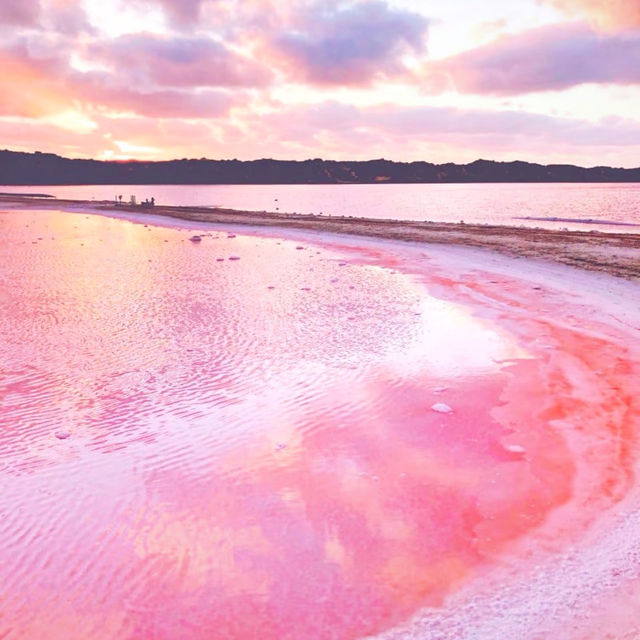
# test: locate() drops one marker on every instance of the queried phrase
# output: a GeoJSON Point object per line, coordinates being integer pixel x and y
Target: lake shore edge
{"type": "Point", "coordinates": [617, 254]}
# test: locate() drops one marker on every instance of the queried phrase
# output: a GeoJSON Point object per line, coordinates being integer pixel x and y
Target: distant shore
{"type": "Point", "coordinates": [18, 168]}
{"type": "Point", "coordinates": [617, 254]}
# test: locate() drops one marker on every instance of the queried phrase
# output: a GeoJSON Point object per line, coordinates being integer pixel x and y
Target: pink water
{"type": "Point", "coordinates": [603, 207]}
{"type": "Point", "coordinates": [199, 447]}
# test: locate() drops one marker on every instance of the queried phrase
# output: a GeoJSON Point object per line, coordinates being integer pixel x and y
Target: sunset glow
{"type": "Point", "coordinates": [537, 80]}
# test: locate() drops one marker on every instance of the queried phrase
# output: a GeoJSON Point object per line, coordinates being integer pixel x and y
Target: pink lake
{"type": "Point", "coordinates": [324, 438]}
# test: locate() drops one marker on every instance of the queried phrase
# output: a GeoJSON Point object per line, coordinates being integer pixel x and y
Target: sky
{"type": "Point", "coordinates": [548, 81]}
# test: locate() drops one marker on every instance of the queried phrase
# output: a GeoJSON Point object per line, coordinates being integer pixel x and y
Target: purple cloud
{"type": "Point", "coordinates": [68, 18]}
{"type": "Point", "coordinates": [545, 59]}
{"type": "Point", "coordinates": [147, 59]}
{"type": "Point", "coordinates": [184, 12]}
{"type": "Point", "coordinates": [623, 14]}
{"type": "Point", "coordinates": [394, 126]}
{"type": "Point", "coordinates": [20, 12]}
{"type": "Point", "coordinates": [100, 90]}
{"type": "Point", "coordinates": [350, 43]}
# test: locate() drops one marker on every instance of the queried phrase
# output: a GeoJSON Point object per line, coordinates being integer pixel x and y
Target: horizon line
{"type": "Point", "coordinates": [316, 159]}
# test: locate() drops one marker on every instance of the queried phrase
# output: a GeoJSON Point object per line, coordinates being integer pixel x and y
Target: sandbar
{"type": "Point", "coordinates": [614, 253]}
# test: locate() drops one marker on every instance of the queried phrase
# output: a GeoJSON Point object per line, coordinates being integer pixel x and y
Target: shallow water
{"type": "Point", "coordinates": [602, 207]}
{"type": "Point", "coordinates": [316, 440]}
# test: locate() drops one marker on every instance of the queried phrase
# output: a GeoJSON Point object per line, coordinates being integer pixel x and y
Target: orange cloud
{"type": "Point", "coordinates": [43, 96]}
{"type": "Point", "coordinates": [609, 14]}
{"type": "Point", "coordinates": [550, 58]}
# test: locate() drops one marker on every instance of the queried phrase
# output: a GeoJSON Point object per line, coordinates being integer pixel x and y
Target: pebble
{"type": "Point", "coordinates": [62, 435]}
{"type": "Point", "coordinates": [515, 448]}
{"type": "Point", "coordinates": [234, 257]}
{"type": "Point", "coordinates": [195, 239]}
{"type": "Point", "coordinates": [440, 407]}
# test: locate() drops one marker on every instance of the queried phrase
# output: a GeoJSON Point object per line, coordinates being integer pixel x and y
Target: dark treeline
{"type": "Point", "coordinates": [48, 169]}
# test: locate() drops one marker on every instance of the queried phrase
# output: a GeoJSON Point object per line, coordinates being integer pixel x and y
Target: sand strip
{"type": "Point", "coordinates": [614, 253]}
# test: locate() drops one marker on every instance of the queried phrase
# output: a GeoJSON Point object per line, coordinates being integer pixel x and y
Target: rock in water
{"type": "Point", "coordinates": [440, 407]}
{"type": "Point", "coordinates": [195, 239]}
{"type": "Point", "coordinates": [515, 448]}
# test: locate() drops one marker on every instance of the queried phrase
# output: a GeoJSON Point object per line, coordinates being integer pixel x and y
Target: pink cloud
{"type": "Point", "coordinates": [427, 123]}
{"type": "Point", "coordinates": [173, 94]}
{"type": "Point", "coordinates": [342, 131]}
{"type": "Point", "coordinates": [54, 87]}
{"type": "Point", "coordinates": [19, 12]}
{"type": "Point", "coordinates": [348, 43]}
{"type": "Point", "coordinates": [31, 87]}
{"type": "Point", "coordinates": [445, 133]}
{"type": "Point", "coordinates": [34, 135]}
{"type": "Point", "coordinates": [182, 11]}
{"type": "Point", "coordinates": [149, 59]}
{"type": "Point", "coordinates": [101, 91]}
{"type": "Point", "coordinates": [620, 14]}
{"type": "Point", "coordinates": [65, 17]}
{"type": "Point", "coordinates": [545, 59]}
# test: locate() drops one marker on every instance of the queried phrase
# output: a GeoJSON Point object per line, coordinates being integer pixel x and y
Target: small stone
{"type": "Point", "coordinates": [440, 389]}
{"type": "Point", "coordinates": [195, 239]}
{"type": "Point", "coordinates": [440, 407]}
{"type": "Point", "coordinates": [280, 446]}
{"type": "Point", "coordinates": [515, 448]}
{"type": "Point", "coordinates": [234, 257]}
{"type": "Point", "coordinates": [62, 435]}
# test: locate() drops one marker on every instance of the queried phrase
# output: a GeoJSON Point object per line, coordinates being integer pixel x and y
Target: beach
{"type": "Point", "coordinates": [312, 431]}
{"type": "Point", "coordinates": [613, 253]}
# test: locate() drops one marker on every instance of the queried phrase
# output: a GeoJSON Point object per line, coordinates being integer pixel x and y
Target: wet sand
{"type": "Point", "coordinates": [613, 253]}
{"type": "Point", "coordinates": [263, 446]}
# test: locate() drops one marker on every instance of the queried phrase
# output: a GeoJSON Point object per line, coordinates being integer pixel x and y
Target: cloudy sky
{"type": "Point", "coordinates": [437, 80]}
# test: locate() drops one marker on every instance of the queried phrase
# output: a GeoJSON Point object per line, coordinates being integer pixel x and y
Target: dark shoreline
{"type": "Point", "coordinates": [19, 168]}
{"type": "Point", "coordinates": [25, 195]}
{"type": "Point", "coordinates": [613, 253]}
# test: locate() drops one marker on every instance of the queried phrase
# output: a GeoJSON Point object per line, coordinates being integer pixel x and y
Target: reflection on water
{"type": "Point", "coordinates": [197, 447]}
{"type": "Point", "coordinates": [574, 206]}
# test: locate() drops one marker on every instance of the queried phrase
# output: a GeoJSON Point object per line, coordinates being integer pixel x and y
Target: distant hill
{"type": "Point", "coordinates": [48, 169]}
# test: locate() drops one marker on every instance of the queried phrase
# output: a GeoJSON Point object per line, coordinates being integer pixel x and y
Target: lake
{"type": "Point", "coordinates": [605, 207]}
{"type": "Point", "coordinates": [285, 437]}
